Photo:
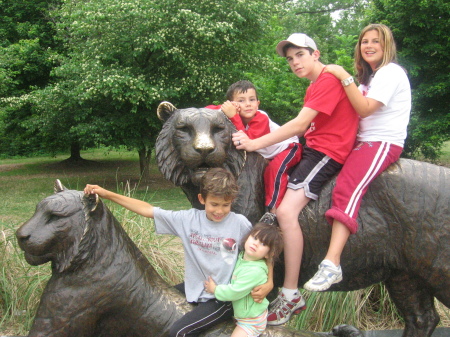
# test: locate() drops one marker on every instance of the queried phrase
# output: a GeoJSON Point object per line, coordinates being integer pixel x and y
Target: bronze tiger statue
{"type": "Point", "coordinates": [404, 235]}
{"type": "Point", "coordinates": [101, 283]}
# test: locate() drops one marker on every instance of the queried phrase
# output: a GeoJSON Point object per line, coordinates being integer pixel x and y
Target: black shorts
{"type": "Point", "coordinates": [313, 171]}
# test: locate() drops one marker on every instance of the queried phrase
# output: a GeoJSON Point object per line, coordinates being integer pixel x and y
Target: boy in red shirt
{"type": "Point", "coordinates": [328, 123]}
{"type": "Point", "coordinates": [241, 108]}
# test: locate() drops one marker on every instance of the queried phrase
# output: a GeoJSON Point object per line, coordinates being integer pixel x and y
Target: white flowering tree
{"type": "Point", "coordinates": [125, 56]}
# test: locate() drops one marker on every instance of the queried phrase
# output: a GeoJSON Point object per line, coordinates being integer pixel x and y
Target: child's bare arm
{"type": "Point", "coordinates": [138, 206]}
{"type": "Point", "coordinates": [295, 127]}
{"type": "Point", "coordinates": [337, 71]}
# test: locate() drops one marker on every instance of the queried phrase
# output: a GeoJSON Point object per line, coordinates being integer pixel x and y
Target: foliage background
{"type": "Point", "coordinates": [76, 75]}
{"type": "Point", "coordinates": [79, 74]}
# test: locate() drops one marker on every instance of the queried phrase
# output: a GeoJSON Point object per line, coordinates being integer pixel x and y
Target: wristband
{"type": "Point", "coordinates": [347, 81]}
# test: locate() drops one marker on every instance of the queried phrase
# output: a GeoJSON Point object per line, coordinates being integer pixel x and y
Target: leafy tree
{"type": "Point", "coordinates": [124, 58]}
{"type": "Point", "coordinates": [332, 24]}
{"type": "Point", "coordinates": [421, 31]}
{"type": "Point", "coordinates": [27, 44]}
{"type": "Point", "coordinates": [27, 48]}
{"type": "Point", "coordinates": [121, 59]}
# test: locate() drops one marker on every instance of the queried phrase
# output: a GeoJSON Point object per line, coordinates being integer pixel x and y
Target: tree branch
{"type": "Point", "coordinates": [325, 10]}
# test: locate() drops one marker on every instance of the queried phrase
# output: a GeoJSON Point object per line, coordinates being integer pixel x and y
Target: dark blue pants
{"type": "Point", "coordinates": [204, 316]}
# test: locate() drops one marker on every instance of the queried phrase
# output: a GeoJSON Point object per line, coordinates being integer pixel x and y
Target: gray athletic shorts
{"type": "Point", "coordinates": [313, 171]}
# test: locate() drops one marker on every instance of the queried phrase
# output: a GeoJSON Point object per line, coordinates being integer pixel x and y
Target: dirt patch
{"type": "Point", "coordinates": [87, 166]}
{"type": "Point", "coordinates": [9, 167]}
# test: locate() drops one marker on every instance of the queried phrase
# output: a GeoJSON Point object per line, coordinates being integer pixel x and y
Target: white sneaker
{"type": "Point", "coordinates": [327, 275]}
{"type": "Point", "coordinates": [281, 309]}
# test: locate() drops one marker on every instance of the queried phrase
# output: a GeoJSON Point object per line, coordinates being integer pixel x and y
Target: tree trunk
{"type": "Point", "coordinates": [75, 151]}
{"type": "Point", "coordinates": [145, 155]}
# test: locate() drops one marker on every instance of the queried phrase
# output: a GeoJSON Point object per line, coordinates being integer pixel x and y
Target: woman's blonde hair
{"type": "Point", "coordinates": [363, 69]}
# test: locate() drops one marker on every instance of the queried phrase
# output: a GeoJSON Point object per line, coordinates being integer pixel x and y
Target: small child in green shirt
{"type": "Point", "coordinates": [262, 245]}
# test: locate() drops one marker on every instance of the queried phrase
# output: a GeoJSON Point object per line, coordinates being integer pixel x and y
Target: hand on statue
{"type": "Point", "coordinates": [95, 189]}
{"type": "Point", "coordinates": [230, 108]}
{"type": "Point", "coordinates": [210, 285]}
{"type": "Point", "coordinates": [242, 142]}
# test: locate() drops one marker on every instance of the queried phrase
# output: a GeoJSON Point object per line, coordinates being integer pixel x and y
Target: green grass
{"type": "Point", "coordinates": [24, 182]}
{"type": "Point", "coordinates": [445, 157]}
{"type": "Point", "coordinates": [366, 309]}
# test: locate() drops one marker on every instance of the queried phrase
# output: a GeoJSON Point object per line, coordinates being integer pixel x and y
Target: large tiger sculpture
{"type": "Point", "coordinates": [404, 235]}
{"type": "Point", "coordinates": [101, 283]}
{"type": "Point", "coordinates": [193, 140]}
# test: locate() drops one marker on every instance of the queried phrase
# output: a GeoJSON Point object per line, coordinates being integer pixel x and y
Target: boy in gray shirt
{"type": "Point", "coordinates": [210, 239]}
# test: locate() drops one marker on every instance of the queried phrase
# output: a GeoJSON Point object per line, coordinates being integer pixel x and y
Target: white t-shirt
{"type": "Point", "coordinates": [271, 151]}
{"type": "Point", "coordinates": [390, 86]}
{"type": "Point", "coordinates": [210, 248]}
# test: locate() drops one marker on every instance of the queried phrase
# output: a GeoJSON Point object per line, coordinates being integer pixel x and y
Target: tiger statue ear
{"type": "Point", "coordinates": [91, 201]}
{"type": "Point", "coordinates": [58, 186]}
{"type": "Point", "coordinates": [165, 110]}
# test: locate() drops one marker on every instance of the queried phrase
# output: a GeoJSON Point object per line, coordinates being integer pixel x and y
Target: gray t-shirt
{"type": "Point", "coordinates": [210, 248]}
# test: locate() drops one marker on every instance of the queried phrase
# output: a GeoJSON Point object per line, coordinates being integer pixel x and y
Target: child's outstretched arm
{"type": "Point", "coordinates": [260, 292]}
{"type": "Point", "coordinates": [295, 127]}
{"type": "Point", "coordinates": [138, 206]}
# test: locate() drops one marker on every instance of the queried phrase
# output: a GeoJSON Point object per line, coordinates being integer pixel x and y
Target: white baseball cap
{"type": "Point", "coordinates": [297, 39]}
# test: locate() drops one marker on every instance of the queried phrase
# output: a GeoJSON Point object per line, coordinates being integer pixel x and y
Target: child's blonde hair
{"type": "Point", "coordinates": [269, 235]}
{"type": "Point", "coordinates": [363, 69]}
{"type": "Point", "coordinates": [219, 182]}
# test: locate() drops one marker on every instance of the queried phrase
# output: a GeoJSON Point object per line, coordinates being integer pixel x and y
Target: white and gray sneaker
{"type": "Point", "coordinates": [327, 275]}
{"type": "Point", "coordinates": [281, 309]}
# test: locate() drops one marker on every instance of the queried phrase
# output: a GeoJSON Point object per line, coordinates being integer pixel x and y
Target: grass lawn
{"type": "Point", "coordinates": [25, 182]}
{"type": "Point", "coordinates": [445, 157]}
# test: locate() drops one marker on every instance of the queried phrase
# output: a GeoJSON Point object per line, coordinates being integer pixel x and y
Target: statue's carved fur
{"type": "Point", "coordinates": [193, 140]}
{"type": "Point", "coordinates": [101, 284]}
{"type": "Point", "coordinates": [404, 234]}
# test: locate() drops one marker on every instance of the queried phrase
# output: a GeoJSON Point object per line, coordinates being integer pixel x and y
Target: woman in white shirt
{"type": "Point", "coordinates": [383, 102]}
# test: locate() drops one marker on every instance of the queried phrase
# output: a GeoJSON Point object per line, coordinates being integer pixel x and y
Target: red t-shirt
{"type": "Point", "coordinates": [257, 127]}
{"type": "Point", "coordinates": [333, 130]}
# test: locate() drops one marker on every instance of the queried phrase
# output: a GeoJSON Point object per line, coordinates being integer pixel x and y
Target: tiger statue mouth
{"type": "Point", "coordinates": [36, 260]}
